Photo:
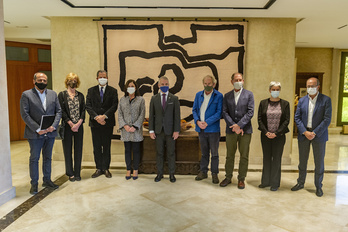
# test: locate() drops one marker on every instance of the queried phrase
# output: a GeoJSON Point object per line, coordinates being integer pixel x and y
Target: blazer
{"type": "Point", "coordinates": [31, 110]}
{"type": "Point", "coordinates": [94, 106]}
{"type": "Point", "coordinates": [284, 118]}
{"type": "Point", "coordinates": [213, 112]}
{"type": "Point", "coordinates": [63, 101]}
{"type": "Point", "coordinates": [241, 113]}
{"type": "Point", "coordinates": [321, 117]}
{"type": "Point", "coordinates": [168, 119]}
{"type": "Point", "coordinates": [131, 114]}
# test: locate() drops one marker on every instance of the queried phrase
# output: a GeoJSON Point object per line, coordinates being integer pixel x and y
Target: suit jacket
{"type": "Point", "coordinates": [168, 119]}
{"type": "Point", "coordinates": [32, 110]}
{"type": "Point", "coordinates": [284, 118]}
{"type": "Point", "coordinates": [321, 117]}
{"type": "Point", "coordinates": [241, 113]}
{"type": "Point", "coordinates": [63, 101]}
{"type": "Point", "coordinates": [95, 107]}
{"type": "Point", "coordinates": [212, 113]}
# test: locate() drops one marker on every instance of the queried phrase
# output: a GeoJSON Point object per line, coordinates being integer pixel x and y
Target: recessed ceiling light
{"type": "Point", "coordinates": [22, 27]}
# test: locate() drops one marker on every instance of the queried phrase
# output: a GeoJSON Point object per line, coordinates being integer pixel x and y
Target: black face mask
{"type": "Point", "coordinates": [72, 85]}
{"type": "Point", "coordinates": [41, 86]}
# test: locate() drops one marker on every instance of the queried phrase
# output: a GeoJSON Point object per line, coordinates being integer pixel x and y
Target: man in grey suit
{"type": "Point", "coordinates": [312, 117]}
{"type": "Point", "coordinates": [164, 126]}
{"type": "Point", "coordinates": [238, 109]}
{"type": "Point", "coordinates": [35, 103]}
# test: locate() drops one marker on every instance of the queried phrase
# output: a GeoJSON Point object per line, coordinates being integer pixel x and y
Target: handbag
{"type": "Point", "coordinates": [61, 129]}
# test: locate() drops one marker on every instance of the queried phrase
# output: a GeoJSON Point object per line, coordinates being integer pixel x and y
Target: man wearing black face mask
{"type": "Point", "coordinates": [35, 103]}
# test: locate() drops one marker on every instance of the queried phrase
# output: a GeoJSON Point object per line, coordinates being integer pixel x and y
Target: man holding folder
{"type": "Point", "coordinates": [34, 104]}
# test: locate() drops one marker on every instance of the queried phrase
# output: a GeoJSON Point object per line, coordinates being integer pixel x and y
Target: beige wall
{"type": "Point", "coordinates": [7, 191]}
{"type": "Point", "coordinates": [270, 56]}
{"type": "Point", "coordinates": [316, 60]}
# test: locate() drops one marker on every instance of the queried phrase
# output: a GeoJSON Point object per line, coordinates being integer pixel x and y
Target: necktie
{"type": "Point", "coordinates": [163, 100]}
{"type": "Point", "coordinates": [101, 94]}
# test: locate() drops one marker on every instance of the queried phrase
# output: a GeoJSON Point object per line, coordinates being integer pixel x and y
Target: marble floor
{"type": "Point", "coordinates": [118, 204]}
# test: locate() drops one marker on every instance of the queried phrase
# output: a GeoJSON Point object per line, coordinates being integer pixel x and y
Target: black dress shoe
{"type": "Point", "coordinates": [107, 173]}
{"type": "Point", "coordinates": [33, 189]}
{"type": "Point", "coordinates": [263, 185]}
{"type": "Point", "coordinates": [97, 173]}
{"type": "Point", "coordinates": [297, 187]}
{"type": "Point", "coordinates": [274, 188]}
{"type": "Point", "coordinates": [172, 178]}
{"type": "Point", "coordinates": [72, 178]}
{"type": "Point", "coordinates": [78, 178]}
{"type": "Point", "coordinates": [158, 178]}
{"type": "Point", "coordinates": [49, 184]}
{"type": "Point", "coordinates": [319, 192]}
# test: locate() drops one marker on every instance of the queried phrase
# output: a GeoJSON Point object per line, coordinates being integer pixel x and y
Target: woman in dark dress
{"type": "Point", "coordinates": [72, 103]}
{"type": "Point", "coordinates": [273, 118]}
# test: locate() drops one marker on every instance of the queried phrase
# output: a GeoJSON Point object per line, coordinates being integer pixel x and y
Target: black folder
{"type": "Point", "coordinates": [46, 121]}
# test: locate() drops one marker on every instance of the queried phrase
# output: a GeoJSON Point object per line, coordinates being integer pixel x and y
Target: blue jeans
{"type": "Point", "coordinates": [36, 145]}
{"type": "Point", "coordinates": [209, 144]}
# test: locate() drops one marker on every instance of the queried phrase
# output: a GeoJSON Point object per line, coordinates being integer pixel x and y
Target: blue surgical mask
{"type": "Point", "coordinates": [275, 94]}
{"type": "Point", "coordinates": [164, 89]}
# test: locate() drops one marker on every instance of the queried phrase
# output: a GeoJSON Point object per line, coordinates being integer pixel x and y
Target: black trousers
{"type": "Point", "coordinates": [70, 138]}
{"type": "Point", "coordinates": [165, 141]}
{"type": "Point", "coordinates": [101, 137]}
{"type": "Point", "coordinates": [272, 159]}
{"type": "Point", "coordinates": [128, 148]}
{"type": "Point", "coordinates": [209, 144]}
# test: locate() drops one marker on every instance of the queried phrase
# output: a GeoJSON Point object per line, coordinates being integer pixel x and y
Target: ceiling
{"type": "Point", "coordinates": [321, 23]}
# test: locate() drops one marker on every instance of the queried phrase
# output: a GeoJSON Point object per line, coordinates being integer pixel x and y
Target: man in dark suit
{"type": "Point", "coordinates": [101, 105]}
{"type": "Point", "coordinates": [238, 109]}
{"type": "Point", "coordinates": [312, 117]}
{"type": "Point", "coordinates": [35, 103]}
{"type": "Point", "coordinates": [164, 126]}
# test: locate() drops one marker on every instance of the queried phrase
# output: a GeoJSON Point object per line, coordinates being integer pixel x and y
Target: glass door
{"type": "Point", "coordinates": [342, 116]}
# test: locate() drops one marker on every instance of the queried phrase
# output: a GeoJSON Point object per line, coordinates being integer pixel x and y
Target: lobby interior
{"type": "Point", "coordinates": [118, 204]}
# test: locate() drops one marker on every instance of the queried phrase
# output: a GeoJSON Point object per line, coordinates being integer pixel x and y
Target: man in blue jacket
{"type": "Point", "coordinates": [207, 110]}
{"type": "Point", "coordinates": [312, 117]}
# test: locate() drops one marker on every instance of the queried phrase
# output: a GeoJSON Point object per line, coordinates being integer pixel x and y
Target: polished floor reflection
{"type": "Point", "coordinates": [118, 204]}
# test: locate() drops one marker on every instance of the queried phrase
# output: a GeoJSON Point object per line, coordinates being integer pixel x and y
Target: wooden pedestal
{"type": "Point", "coordinates": [187, 149]}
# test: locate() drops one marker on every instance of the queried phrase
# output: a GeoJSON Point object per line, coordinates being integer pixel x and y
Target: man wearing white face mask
{"type": "Point", "coordinates": [238, 109]}
{"type": "Point", "coordinates": [101, 105]}
{"type": "Point", "coordinates": [312, 117]}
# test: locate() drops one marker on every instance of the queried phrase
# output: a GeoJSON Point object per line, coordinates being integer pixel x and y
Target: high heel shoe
{"type": "Point", "coordinates": [135, 174]}
{"type": "Point", "coordinates": [128, 177]}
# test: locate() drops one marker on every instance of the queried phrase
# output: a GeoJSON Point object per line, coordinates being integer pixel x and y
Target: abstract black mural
{"type": "Point", "coordinates": [185, 52]}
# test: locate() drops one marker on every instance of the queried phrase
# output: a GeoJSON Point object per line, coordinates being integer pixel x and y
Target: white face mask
{"type": "Point", "coordinates": [102, 81]}
{"type": "Point", "coordinates": [275, 94]}
{"type": "Point", "coordinates": [131, 90]}
{"type": "Point", "coordinates": [312, 91]}
{"type": "Point", "coordinates": [238, 85]}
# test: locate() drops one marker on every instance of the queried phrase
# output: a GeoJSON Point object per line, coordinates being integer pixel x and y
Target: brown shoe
{"type": "Point", "coordinates": [225, 182]}
{"type": "Point", "coordinates": [107, 173]}
{"type": "Point", "coordinates": [201, 176]}
{"type": "Point", "coordinates": [241, 184]}
{"type": "Point", "coordinates": [215, 178]}
{"type": "Point", "coordinates": [97, 173]}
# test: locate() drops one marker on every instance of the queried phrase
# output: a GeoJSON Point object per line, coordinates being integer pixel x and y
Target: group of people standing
{"type": "Point", "coordinates": [313, 116]}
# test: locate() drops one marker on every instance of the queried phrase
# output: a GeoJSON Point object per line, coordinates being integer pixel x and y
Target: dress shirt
{"type": "Point", "coordinates": [205, 105]}
{"type": "Point", "coordinates": [104, 87]}
{"type": "Point", "coordinates": [42, 97]}
{"type": "Point", "coordinates": [237, 95]}
{"type": "Point", "coordinates": [311, 106]}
